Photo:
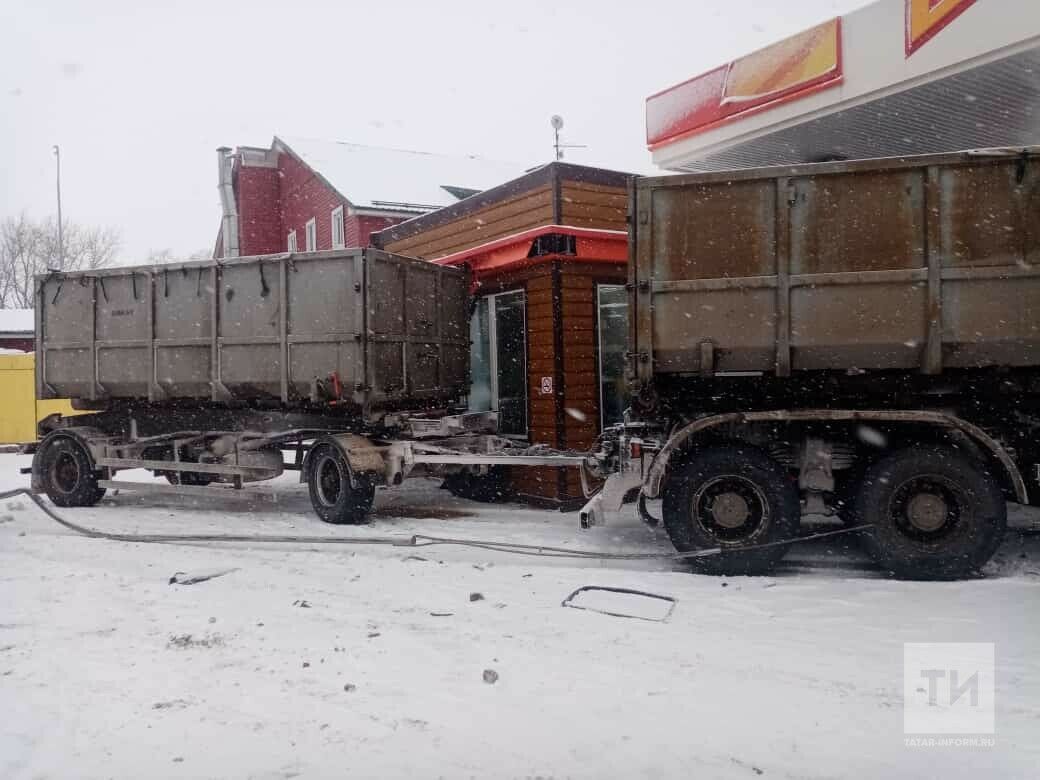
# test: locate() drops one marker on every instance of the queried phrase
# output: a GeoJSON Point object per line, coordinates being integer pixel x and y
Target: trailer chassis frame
{"type": "Point", "coordinates": [381, 460]}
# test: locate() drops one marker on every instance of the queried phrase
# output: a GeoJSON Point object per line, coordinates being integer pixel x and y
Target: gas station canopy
{"type": "Point", "coordinates": [896, 77]}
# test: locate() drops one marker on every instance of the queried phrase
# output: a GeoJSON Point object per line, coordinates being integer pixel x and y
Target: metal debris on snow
{"type": "Point", "coordinates": [185, 578]}
{"type": "Point", "coordinates": [637, 604]}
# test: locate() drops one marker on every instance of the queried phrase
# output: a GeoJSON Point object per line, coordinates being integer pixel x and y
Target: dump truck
{"type": "Point", "coordinates": [354, 363]}
{"type": "Point", "coordinates": [859, 339]}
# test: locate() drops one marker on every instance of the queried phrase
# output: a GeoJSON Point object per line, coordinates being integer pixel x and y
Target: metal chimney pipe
{"type": "Point", "coordinates": [229, 208]}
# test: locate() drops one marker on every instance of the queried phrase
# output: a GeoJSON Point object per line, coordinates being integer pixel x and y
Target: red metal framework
{"type": "Point", "coordinates": [515, 251]}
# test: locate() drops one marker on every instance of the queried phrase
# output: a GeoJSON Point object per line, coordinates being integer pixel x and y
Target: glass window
{"type": "Point", "coordinates": [498, 360]}
{"type": "Point", "coordinates": [291, 241]}
{"type": "Point", "coordinates": [338, 239]}
{"type": "Point", "coordinates": [312, 234]}
{"type": "Point", "coordinates": [613, 337]}
{"type": "Point", "coordinates": [511, 362]}
{"type": "Point", "coordinates": [480, 389]}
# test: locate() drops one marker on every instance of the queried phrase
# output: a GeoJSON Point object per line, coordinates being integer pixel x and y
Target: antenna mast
{"type": "Point", "coordinates": [557, 125]}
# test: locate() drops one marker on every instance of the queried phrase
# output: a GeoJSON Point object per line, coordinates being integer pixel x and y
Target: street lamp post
{"type": "Point", "coordinates": [61, 242]}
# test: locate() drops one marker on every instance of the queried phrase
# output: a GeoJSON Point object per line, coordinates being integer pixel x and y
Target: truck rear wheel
{"type": "Point", "coordinates": [68, 474]}
{"type": "Point", "coordinates": [334, 499]}
{"type": "Point", "coordinates": [730, 497]}
{"type": "Point", "coordinates": [936, 514]}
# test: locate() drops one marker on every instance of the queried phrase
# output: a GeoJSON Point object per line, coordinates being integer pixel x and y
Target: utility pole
{"type": "Point", "coordinates": [61, 241]}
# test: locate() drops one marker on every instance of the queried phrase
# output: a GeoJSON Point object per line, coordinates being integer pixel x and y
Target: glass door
{"type": "Point", "coordinates": [612, 305]}
{"type": "Point", "coordinates": [498, 360]}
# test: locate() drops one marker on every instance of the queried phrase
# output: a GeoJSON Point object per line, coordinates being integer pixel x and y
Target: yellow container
{"type": "Point", "coordinates": [19, 409]}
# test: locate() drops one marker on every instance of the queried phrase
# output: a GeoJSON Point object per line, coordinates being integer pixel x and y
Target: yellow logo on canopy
{"type": "Point", "coordinates": [787, 65]}
{"type": "Point", "coordinates": [925, 18]}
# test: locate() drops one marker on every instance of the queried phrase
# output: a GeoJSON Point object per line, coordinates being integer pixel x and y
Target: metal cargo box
{"type": "Point", "coordinates": [362, 327]}
{"type": "Point", "coordinates": [924, 264]}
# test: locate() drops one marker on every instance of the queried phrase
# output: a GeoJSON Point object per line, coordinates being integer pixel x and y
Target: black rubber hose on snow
{"type": "Point", "coordinates": [416, 540]}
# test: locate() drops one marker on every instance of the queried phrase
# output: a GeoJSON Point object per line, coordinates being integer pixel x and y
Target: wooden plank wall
{"type": "Point", "coordinates": [541, 361]}
{"type": "Point", "coordinates": [570, 418]}
{"type": "Point", "coordinates": [580, 399]}
{"type": "Point", "coordinates": [527, 210]}
{"type": "Point", "coordinates": [541, 357]}
{"type": "Point", "coordinates": [593, 205]}
{"type": "Point", "coordinates": [580, 204]}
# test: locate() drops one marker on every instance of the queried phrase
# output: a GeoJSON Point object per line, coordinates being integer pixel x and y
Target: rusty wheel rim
{"type": "Point", "coordinates": [927, 507]}
{"type": "Point", "coordinates": [730, 507]}
{"type": "Point", "coordinates": [65, 473]}
{"type": "Point", "coordinates": [328, 480]}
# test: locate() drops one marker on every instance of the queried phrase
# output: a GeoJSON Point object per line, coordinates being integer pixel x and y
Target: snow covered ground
{"type": "Point", "coordinates": [328, 661]}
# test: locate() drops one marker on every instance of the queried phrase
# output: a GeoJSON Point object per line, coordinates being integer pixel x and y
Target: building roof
{"type": "Point", "coordinates": [550, 173]}
{"type": "Point", "coordinates": [893, 78]}
{"type": "Point", "coordinates": [17, 321]}
{"type": "Point", "coordinates": [373, 177]}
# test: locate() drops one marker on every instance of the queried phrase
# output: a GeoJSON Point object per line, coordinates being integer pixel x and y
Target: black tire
{"type": "Point", "coordinates": [334, 499]}
{"type": "Point", "coordinates": [193, 478]}
{"type": "Point", "coordinates": [846, 487]}
{"type": "Point", "coordinates": [68, 474]}
{"type": "Point", "coordinates": [936, 514]}
{"type": "Point", "coordinates": [760, 506]}
{"type": "Point", "coordinates": [490, 488]}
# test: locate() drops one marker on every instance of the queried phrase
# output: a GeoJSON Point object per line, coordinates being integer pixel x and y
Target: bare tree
{"type": "Point", "coordinates": [29, 247]}
{"type": "Point", "coordinates": [164, 256]}
{"type": "Point", "coordinates": [19, 248]}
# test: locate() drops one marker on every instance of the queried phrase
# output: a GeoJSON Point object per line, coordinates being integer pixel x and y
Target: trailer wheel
{"type": "Point", "coordinates": [936, 513]}
{"type": "Point", "coordinates": [730, 497]}
{"type": "Point", "coordinates": [68, 474]}
{"type": "Point", "coordinates": [333, 497]}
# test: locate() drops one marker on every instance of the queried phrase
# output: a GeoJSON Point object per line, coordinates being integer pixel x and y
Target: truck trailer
{"type": "Point", "coordinates": [860, 339]}
{"type": "Point", "coordinates": [356, 362]}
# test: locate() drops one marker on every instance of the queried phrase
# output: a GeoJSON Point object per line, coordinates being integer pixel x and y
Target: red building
{"type": "Point", "coordinates": [17, 327]}
{"type": "Point", "coordinates": [305, 194]}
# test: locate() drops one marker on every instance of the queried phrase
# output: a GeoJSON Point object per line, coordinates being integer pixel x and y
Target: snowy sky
{"type": "Point", "coordinates": [139, 93]}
